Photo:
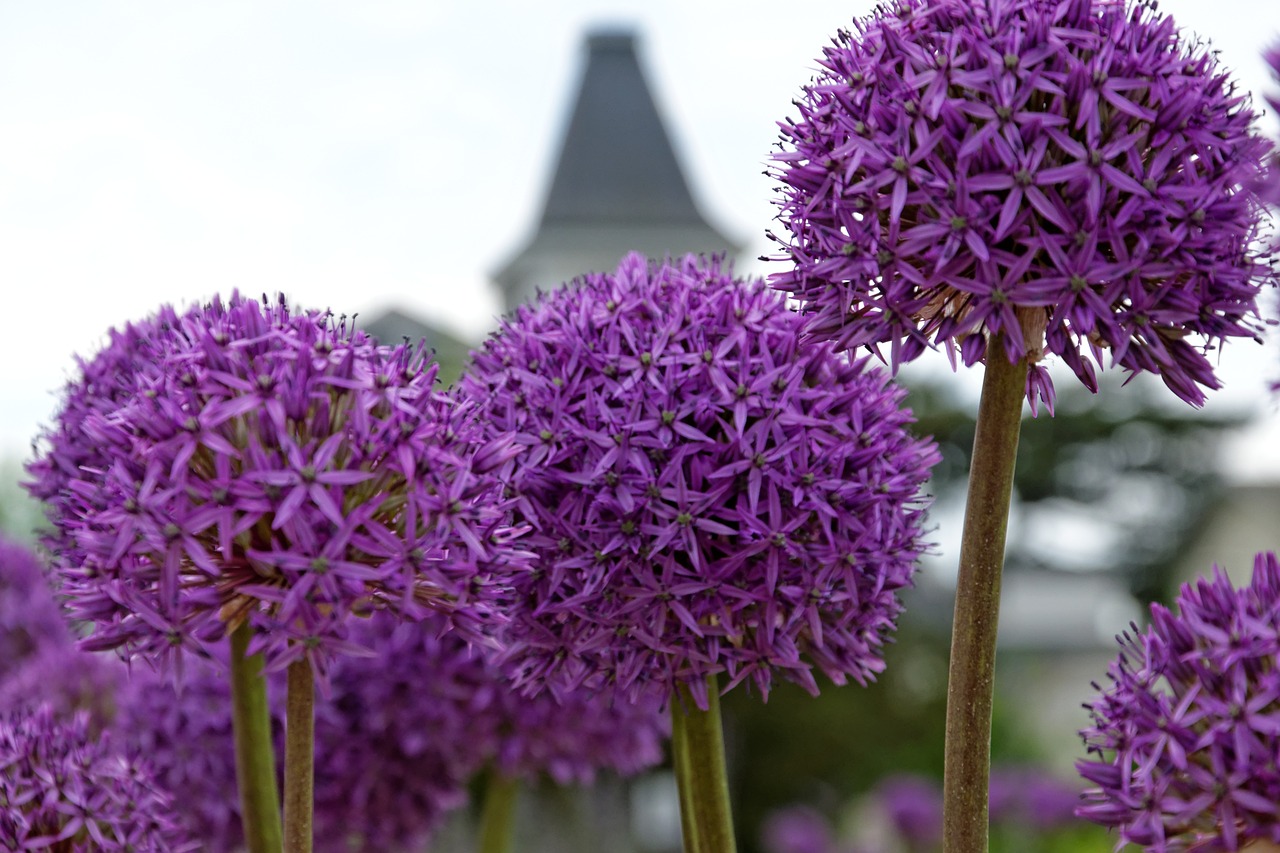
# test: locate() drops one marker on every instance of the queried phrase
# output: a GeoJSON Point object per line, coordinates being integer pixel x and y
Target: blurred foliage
{"type": "Point", "coordinates": [20, 515]}
{"type": "Point", "coordinates": [1133, 464]}
{"type": "Point", "coordinates": [829, 749]}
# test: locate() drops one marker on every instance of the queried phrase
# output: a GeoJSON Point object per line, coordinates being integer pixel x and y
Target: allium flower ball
{"type": "Point", "coordinates": [242, 461]}
{"type": "Point", "coordinates": [709, 491]}
{"type": "Point", "coordinates": [29, 617]}
{"type": "Point", "coordinates": [913, 805]}
{"type": "Point", "coordinates": [1066, 176]}
{"type": "Point", "coordinates": [1186, 736]}
{"type": "Point", "coordinates": [187, 738]}
{"type": "Point", "coordinates": [65, 792]}
{"type": "Point", "coordinates": [68, 680]}
{"type": "Point", "coordinates": [407, 729]}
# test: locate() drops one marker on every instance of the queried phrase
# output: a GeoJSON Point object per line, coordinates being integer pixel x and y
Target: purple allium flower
{"type": "Point", "coordinates": [393, 741]}
{"type": "Point", "coordinates": [710, 492]}
{"type": "Point", "coordinates": [63, 791]}
{"type": "Point", "coordinates": [1070, 176]}
{"type": "Point", "coordinates": [29, 617]}
{"type": "Point", "coordinates": [187, 737]}
{"type": "Point", "coordinates": [1186, 736]}
{"type": "Point", "coordinates": [797, 829]}
{"type": "Point", "coordinates": [244, 462]}
{"type": "Point", "coordinates": [1032, 797]}
{"type": "Point", "coordinates": [913, 805]}
{"type": "Point", "coordinates": [68, 680]}
{"type": "Point", "coordinates": [406, 730]}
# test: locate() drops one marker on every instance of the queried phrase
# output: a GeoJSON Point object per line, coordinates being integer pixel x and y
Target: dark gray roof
{"type": "Point", "coordinates": [616, 161]}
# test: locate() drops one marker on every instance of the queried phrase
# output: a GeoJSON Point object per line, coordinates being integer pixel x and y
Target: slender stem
{"type": "Point", "coordinates": [255, 752]}
{"type": "Point", "coordinates": [299, 757]}
{"type": "Point", "coordinates": [680, 761]}
{"type": "Point", "coordinates": [707, 781]}
{"type": "Point", "coordinates": [497, 821]}
{"type": "Point", "coordinates": [973, 640]}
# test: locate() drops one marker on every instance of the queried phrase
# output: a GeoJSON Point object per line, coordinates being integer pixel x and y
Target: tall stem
{"type": "Point", "coordinates": [684, 782]}
{"type": "Point", "coordinates": [971, 682]}
{"type": "Point", "coordinates": [255, 752]}
{"type": "Point", "coordinates": [706, 782]}
{"type": "Point", "coordinates": [497, 821]}
{"type": "Point", "coordinates": [299, 757]}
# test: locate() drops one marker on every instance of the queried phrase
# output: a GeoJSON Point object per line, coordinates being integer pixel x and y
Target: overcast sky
{"type": "Point", "coordinates": [357, 155]}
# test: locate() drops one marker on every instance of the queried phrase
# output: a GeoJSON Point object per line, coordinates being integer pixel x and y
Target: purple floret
{"type": "Point", "coordinates": [243, 462]}
{"type": "Point", "coordinates": [1036, 176]}
{"type": "Point", "coordinates": [710, 492]}
{"type": "Point", "coordinates": [1186, 736]}
{"type": "Point", "coordinates": [66, 791]}
{"type": "Point", "coordinates": [188, 740]}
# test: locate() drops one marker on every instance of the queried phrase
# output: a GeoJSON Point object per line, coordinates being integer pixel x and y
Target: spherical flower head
{"type": "Point", "coordinates": [245, 462]}
{"type": "Point", "coordinates": [187, 738]}
{"type": "Point", "coordinates": [68, 681]}
{"type": "Point", "coordinates": [406, 730]}
{"type": "Point", "coordinates": [393, 741]}
{"type": "Point", "coordinates": [64, 791]}
{"type": "Point", "coordinates": [29, 616]}
{"type": "Point", "coordinates": [913, 805]}
{"type": "Point", "coordinates": [797, 829]}
{"type": "Point", "coordinates": [710, 492]}
{"type": "Point", "coordinates": [1186, 736]}
{"type": "Point", "coordinates": [1031, 797]}
{"type": "Point", "coordinates": [1022, 177]}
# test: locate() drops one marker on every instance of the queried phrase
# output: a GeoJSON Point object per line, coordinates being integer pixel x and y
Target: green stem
{"type": "Point", "coordinates": [255, 752]}
{"type": "Point", "coordinates": [971, 682]}
{"type": "Point", "coordinates": [299, 757]}
{"type": "Point", "coordinates": [684, 783]}
{"type": "Point", "coordinates": [706, 786]}
{"type": "Point", "coordinates": [497, 821]}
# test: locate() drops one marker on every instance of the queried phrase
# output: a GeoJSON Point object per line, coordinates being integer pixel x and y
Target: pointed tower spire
{"type": "Point", "coordinates": [617, 184]}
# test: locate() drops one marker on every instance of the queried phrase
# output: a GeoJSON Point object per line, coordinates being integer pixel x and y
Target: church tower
{"type": "Point", "coordinates": [617, 184]}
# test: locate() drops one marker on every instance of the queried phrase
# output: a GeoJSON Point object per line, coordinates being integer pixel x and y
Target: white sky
{"type": "Point", "coordinates": [362, 154]}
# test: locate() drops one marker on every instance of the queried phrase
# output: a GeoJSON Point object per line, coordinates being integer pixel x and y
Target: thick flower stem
{"type": "Point", "coordinates": [255, 752]}
{"type": "Point", "coordinates": [299, 757]}
{"type": "Point", "coordinates": [706, 781]}
{"type": "Point", "coordinates": [973, 639]}
{"type": "Point", "coordinates": [498, 820]}
{"type": "Point", "coordinates": [684, 784]}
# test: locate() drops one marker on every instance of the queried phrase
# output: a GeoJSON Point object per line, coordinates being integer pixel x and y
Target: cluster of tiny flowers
{"type": "Point", "coordinates": [187, 738]}
{"type": "Point", "coordinates": [242, 462]}
{"type": "Point", "coordinates": [393, 739]}
{"type": "Point", "coordinates": [1070, 176]}
{"type": "Point", "coordinates": [1187, 734]}
{"type": "Point", "coordinates": [29, 617]}
{"type": "Point", "coordinates": [709, 491]}
{"type": "Point", "coordinates": [68, 680]}
{"type": "Point", "coordinates": [65, 792]}
{"type": "Point", "coordinates": [405, 731]}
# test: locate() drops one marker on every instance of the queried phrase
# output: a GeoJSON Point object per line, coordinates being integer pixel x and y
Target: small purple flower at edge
{"type": "Point", "coordinates": [243, 462]}
{"type": "Point", "coordinates": [1185, 736]}
{"type": "Point", "coordinates": [1035, 176]}
{"type": "Point", "coordinates": [709, 492]}
{"type": "Point", "coordinates": [63, 791]}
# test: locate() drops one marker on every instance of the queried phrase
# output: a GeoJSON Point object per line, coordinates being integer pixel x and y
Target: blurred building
{"type": "Point", "coordinates": [617, 185]}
